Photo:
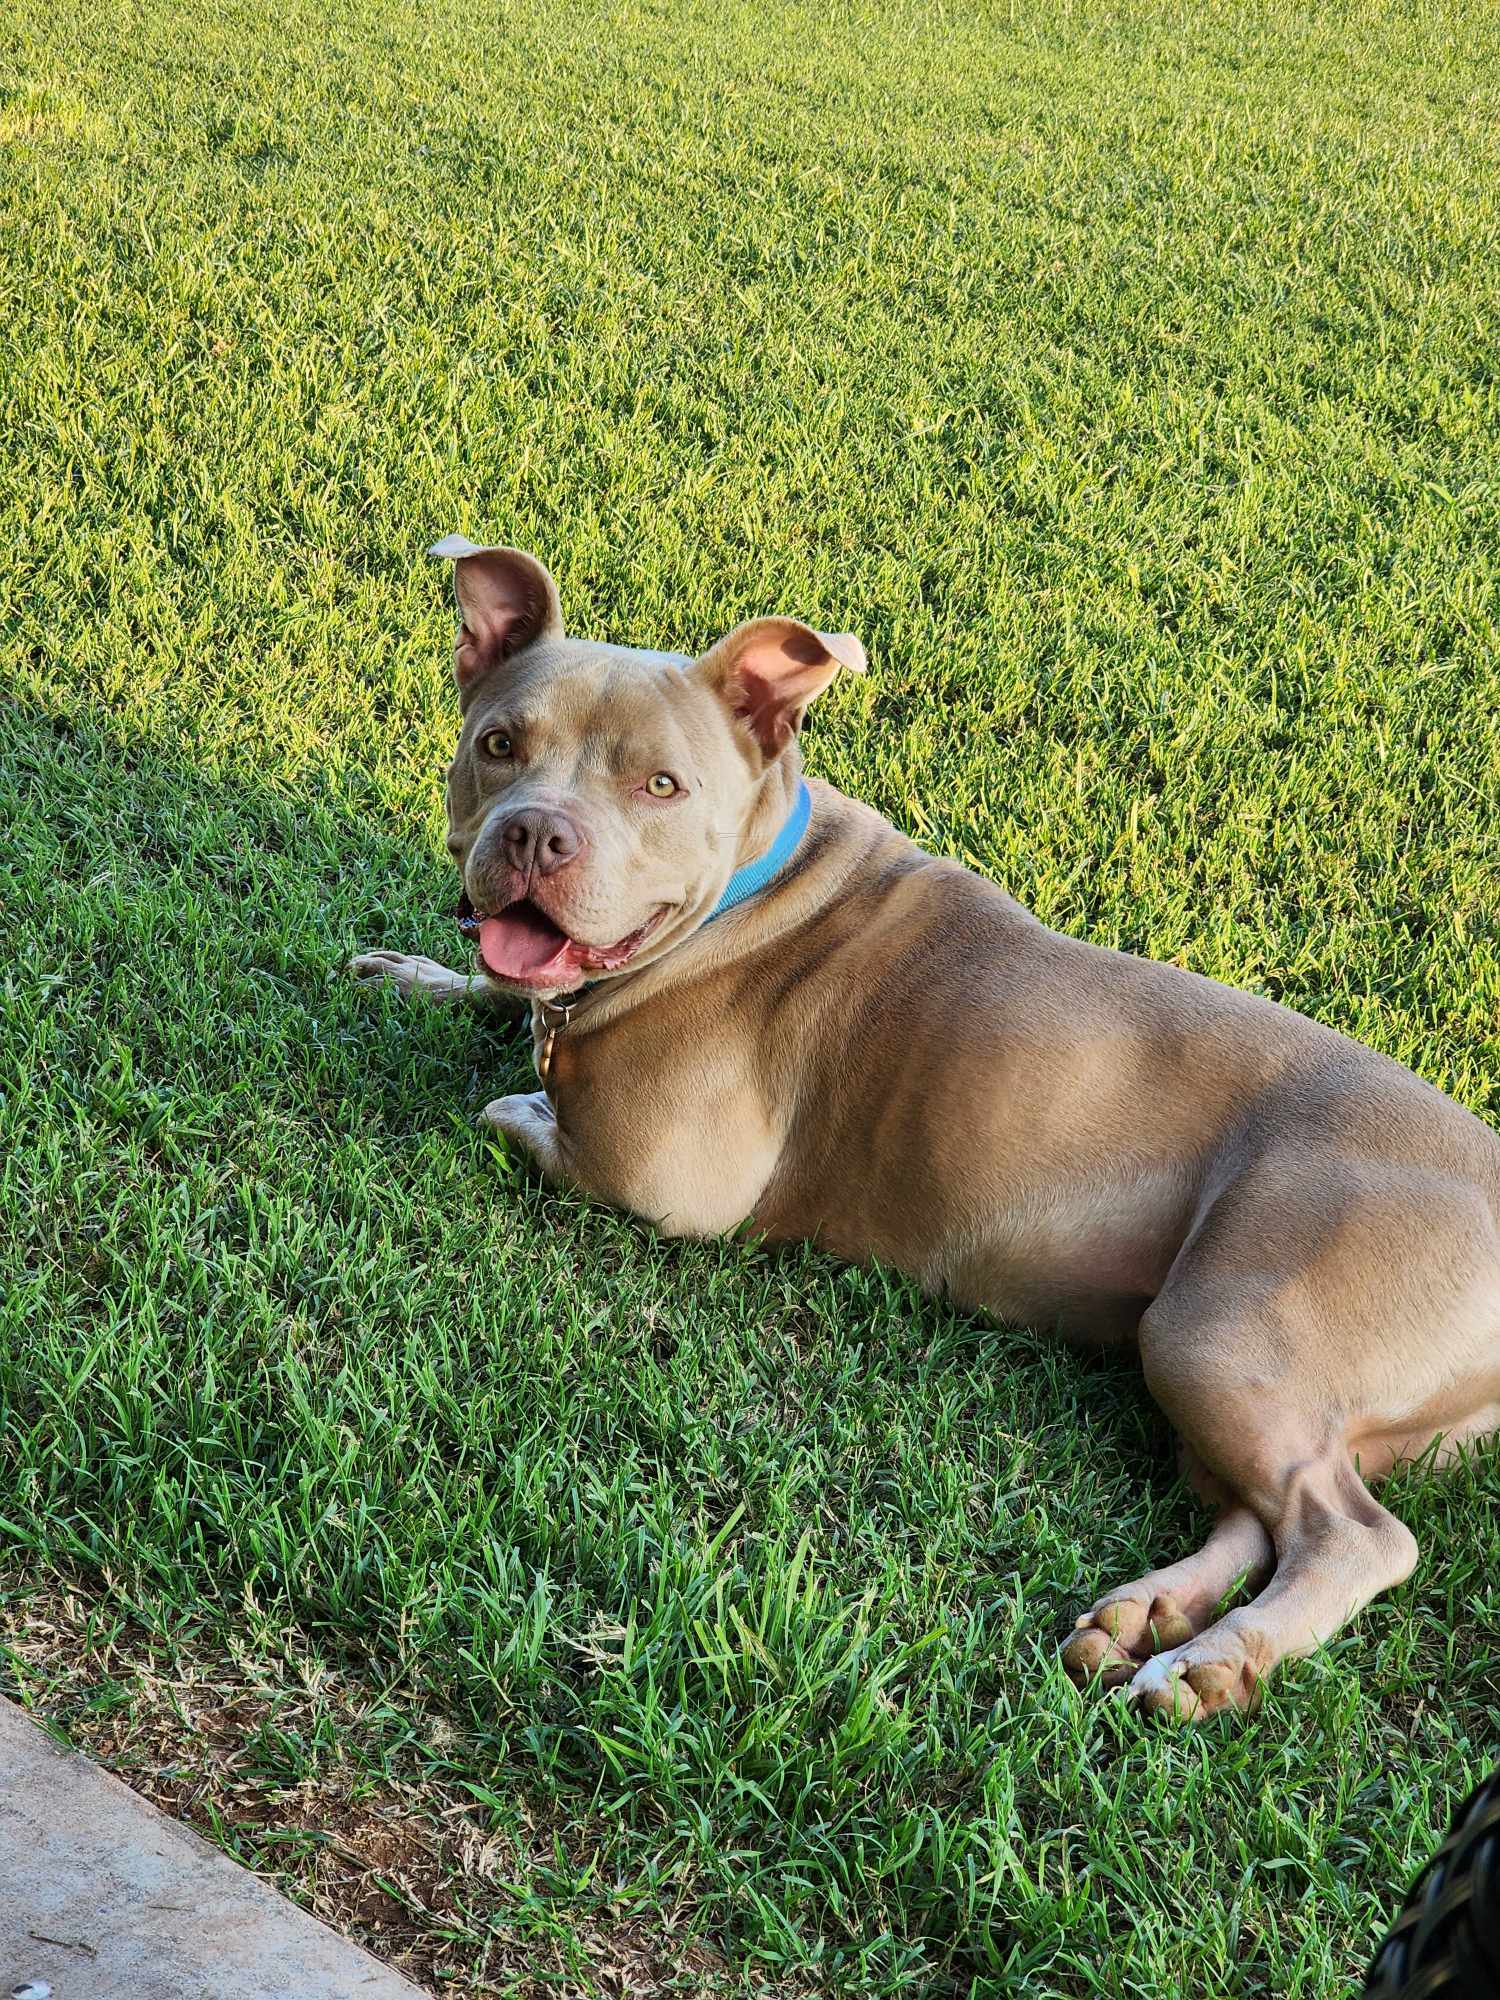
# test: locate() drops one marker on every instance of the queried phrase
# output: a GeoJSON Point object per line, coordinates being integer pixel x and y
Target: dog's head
{"type": "Point", "coordinates": [600, 798]}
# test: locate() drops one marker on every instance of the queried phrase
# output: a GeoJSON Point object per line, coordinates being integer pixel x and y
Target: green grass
{"type": "Point", "coordinates": [1125, 376]}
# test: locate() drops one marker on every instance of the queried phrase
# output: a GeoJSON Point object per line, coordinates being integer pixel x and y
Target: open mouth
{"type": "Point", "coordinates": [523, 946]}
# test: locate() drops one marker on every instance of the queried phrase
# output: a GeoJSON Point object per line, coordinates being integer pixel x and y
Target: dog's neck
{"type": "Point", "coordinates": [757, 874]}
{"type": "Point", "coordinates": [780, 789]}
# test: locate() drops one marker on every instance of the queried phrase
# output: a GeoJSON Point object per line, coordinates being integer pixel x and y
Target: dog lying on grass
{"type": "Point", "coordinates": [753, 999]}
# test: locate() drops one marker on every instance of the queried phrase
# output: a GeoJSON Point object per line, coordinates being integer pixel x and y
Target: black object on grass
{"type": "Point", "coordinates": [1445, 1945]}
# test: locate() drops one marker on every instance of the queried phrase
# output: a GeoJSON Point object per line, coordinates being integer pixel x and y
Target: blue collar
{"type": "Point", "coordinates": [759, 874]}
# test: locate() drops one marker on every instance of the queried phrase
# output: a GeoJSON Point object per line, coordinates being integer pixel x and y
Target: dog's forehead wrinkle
{"type": "Point", "coordinates": [629, 724]}
{"type": "Point", "coordinates": [618, 704]}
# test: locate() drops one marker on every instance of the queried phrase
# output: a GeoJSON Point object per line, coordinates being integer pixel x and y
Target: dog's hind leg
{"type": "Point", "coordinates": [1326, 1305]}
{"type": "Point", "coordinates": [1336, 1548]}
{"type": "Point", "coordinates": [1272, 1433]}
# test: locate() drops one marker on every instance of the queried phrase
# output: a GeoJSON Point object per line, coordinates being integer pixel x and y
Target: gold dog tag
{"type": "Point", "coordinates": [549, 1041]}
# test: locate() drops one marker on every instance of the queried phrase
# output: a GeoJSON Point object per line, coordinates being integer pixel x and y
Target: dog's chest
{"type": "Point", "coordinates": [660, 1120]}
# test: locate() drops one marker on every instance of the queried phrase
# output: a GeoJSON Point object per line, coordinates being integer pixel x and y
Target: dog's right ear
{"type": "Point", "coordinates": [506, 599]}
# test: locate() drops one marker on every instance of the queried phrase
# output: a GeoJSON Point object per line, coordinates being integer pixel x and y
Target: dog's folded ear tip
{"type": "Point", "coordinates": [451, 547]}
{"type": "Point", "coordinates": [847, 650]}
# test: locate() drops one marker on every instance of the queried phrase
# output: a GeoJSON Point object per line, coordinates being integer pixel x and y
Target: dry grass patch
{"type": "Point", "coordinates": [298, 1768]}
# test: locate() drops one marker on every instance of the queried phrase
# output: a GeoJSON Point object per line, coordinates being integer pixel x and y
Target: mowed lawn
{"type": "Point", "coordinates": [558, 1609]}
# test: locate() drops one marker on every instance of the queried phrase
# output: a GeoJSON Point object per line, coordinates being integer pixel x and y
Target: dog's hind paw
{"type": "Point", "coordinates": [1110, 1642]}
{"type": "Point", "coordinates": [1206, 1677]}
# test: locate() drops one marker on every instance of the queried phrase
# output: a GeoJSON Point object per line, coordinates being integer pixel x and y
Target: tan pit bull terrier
{"type": "Point", "coordinates": [753, 1000]}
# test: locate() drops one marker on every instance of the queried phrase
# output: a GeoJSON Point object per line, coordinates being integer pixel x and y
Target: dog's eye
{"type": "Point", "coordinates": [495, 743]}
{"type": "Point", "coordinates": [662, 786]}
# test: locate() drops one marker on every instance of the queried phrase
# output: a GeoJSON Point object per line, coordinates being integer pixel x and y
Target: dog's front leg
{"type": "Point", "coordinates": [425, 979]}
{"type": "Point", "coordinates": [527, 1120]}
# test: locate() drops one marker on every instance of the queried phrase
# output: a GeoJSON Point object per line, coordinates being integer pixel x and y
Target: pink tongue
{"type": "Point", "coordinates": [521, 944]}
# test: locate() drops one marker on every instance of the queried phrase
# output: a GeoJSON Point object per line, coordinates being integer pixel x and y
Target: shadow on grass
{"type": "Point", "coordinates": [208, 918]}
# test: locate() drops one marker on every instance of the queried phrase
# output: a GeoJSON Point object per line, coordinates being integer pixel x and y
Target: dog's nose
{"type": "Point", "coordinates": [541, 841]}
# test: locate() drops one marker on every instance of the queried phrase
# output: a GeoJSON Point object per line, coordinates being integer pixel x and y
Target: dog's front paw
{"type": "Point", "coordinates": [527, 1119]}
{"type": "Point", "coordinates": [419, 976]}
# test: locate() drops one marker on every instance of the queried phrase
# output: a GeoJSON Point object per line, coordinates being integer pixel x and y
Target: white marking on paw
{"type": "Point", "coordinates": [1157, 1677]}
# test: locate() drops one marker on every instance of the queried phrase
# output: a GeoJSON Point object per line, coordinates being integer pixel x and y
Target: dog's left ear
{"type": "Point", "coordinates": [769, 670]}
{"type": "Point", "coordinates": [506, 599]}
